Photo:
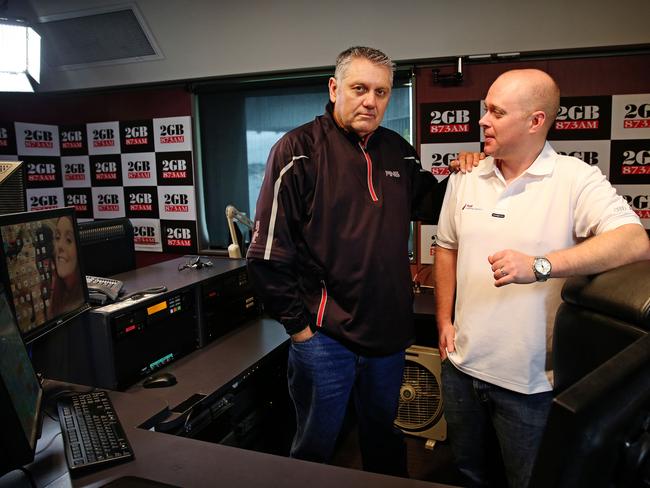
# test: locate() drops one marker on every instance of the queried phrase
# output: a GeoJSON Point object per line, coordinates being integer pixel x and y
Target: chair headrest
{"type": "Point", "coordinates": [622, 293]}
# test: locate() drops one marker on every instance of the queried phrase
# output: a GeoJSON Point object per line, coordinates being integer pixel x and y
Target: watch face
{"type": "Point", "coordinates": [543, 266]}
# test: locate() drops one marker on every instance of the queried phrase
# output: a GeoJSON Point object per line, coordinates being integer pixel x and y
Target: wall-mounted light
{"type": "Point", "coordinates": [20, 56]}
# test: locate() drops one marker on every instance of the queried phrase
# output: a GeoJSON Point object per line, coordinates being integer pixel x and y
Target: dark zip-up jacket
{"type": "Point", "coordinates": [330, 244]}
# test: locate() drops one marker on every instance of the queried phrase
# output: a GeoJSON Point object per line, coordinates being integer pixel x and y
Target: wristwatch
{"type": "Point", "coordinates": [542, 268]}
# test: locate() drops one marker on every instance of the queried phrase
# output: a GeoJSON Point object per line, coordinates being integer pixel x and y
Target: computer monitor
{"type": "Point", "coordinates": [41, 269]}
{"type": "Point", "coordinates": [20, 395]}
{"type": "Point", "coordinates": [598, 431]}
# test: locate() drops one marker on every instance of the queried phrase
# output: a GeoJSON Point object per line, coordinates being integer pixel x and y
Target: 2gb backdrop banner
{"type": "Point", "coordinates": [611, 132]}
{"type": "Point", "coordinates": [140, 169]}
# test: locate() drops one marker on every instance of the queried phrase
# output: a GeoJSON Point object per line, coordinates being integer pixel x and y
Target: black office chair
{"type": "Point", "coordinates": [598, 431]}
{"type": "Point", "coordinates": [107, 247]}
{"type": "Point", "coordinates": [601, 315]}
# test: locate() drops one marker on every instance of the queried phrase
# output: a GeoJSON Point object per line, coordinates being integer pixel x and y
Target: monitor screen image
{"type": "Point", "coordinates": [41, 269]}
{"type": "Point", "coordinates": [20, 394]}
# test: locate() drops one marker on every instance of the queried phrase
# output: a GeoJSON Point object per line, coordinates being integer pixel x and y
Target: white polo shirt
{"type": "Point", "coordinates": [504, 335]}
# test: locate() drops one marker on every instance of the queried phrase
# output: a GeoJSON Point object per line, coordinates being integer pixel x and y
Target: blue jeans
{"type": "Point", "coordinates": [322, 374]}
{"type": "Point", "coordinates": [473, 408]}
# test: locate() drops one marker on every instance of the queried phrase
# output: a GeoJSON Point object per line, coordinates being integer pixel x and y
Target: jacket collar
{"type": "Point", "coordinates": [351, 136]}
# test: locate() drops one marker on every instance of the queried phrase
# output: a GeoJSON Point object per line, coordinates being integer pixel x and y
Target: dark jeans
{"type": "Point", "coordinates": [474, 407]}
{"type": "Point", "coordinates": [322, 374]}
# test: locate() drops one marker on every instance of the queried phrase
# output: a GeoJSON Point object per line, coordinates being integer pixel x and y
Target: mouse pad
{"type": "Point", "coordinates": [136, 482]}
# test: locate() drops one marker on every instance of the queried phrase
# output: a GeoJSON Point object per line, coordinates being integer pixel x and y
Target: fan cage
{"type": "Point", "coordinates": [418, 412]}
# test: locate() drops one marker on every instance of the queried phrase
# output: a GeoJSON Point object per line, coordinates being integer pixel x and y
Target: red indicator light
{"type": "Point", "coordinates": [129, 328]}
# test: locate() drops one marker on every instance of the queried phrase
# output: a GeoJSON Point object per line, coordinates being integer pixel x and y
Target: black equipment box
{"type": "Point", "coordinates": [134, 341]}
{"type": "Point", "coordinates": [226, 301]}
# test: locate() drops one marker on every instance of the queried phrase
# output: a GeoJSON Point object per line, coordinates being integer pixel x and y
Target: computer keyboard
{"type": "Point", "coordinates": [92, 434]}
{"type": "Point", "coordinates": [107, 286]}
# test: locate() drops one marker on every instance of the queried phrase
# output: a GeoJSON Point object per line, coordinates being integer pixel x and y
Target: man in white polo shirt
{"type": "Point", "coordinates": [525, 217]}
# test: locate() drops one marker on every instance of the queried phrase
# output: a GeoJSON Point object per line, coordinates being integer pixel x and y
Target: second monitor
{"type": "Point", "coordinates": [41, 269]}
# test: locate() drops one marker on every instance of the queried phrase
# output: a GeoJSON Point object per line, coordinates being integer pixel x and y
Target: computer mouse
{"type": "Point", "coordinates": [160, 380]}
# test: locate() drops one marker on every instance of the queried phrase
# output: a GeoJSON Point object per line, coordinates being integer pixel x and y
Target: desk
{"type": "Point", "coordinates": [187, 462]}
{"type": "Point", "coordinates": [184, 461]}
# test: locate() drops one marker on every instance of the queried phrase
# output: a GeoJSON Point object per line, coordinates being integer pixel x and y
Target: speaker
{"type": "Point", "coordinates": [420, 404]}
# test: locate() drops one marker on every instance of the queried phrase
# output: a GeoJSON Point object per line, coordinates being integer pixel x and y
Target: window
{"type": "Point", "coordinates": [270, 115]}
{"type": "Point", "coordinates": [238, 128]}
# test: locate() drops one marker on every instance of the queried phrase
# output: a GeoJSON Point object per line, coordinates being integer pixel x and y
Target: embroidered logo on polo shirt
{"type": "Point", "coordinates": [392, 174]}
{"type": "Point", "coordinates": [469, 206]}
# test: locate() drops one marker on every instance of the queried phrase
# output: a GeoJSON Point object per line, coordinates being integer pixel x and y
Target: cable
{"type": "Point", "coordinates": [50, 415]}
{"type": "Point", "coordinates": [421, 276]}
{"type": "Point", "coordinates": [49, 443]}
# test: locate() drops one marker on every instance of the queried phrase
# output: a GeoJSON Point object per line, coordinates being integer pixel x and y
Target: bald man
{"type": "Point", "coordinates": [509, 233]}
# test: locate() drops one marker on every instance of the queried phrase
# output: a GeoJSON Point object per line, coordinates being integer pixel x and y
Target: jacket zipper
{"type": "Point", "coordinates": [371, 188]}
{"type": "Point", "coordinates": [322, 305]}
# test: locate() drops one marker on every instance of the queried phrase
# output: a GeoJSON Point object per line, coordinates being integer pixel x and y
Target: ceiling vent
{"type": "Point", "coordinates": [98, 37]}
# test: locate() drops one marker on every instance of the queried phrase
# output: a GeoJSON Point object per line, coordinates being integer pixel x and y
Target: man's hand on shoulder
{"type": "Point", "coordinates": [466, 161]}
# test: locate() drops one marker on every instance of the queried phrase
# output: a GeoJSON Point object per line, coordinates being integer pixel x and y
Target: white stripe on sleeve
{"type": "Point", "coordinates": [274, 208]}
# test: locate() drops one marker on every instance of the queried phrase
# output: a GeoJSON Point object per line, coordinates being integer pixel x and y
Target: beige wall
{"type": "Point", "coordinates": [208, 38]}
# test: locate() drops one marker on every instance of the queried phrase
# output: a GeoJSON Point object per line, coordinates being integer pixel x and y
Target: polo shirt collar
{"type": "Point", "coordinates": [542, 166]}
{"type": "Point", "coordinates": [544, 163]}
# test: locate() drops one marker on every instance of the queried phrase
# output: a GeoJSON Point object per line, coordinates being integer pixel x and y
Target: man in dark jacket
{"type": "Point", "coordinates": [329, 258]}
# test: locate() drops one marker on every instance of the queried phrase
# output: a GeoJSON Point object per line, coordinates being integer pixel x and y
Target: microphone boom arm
{"type": "Point", "coordinates": [233, 215]}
